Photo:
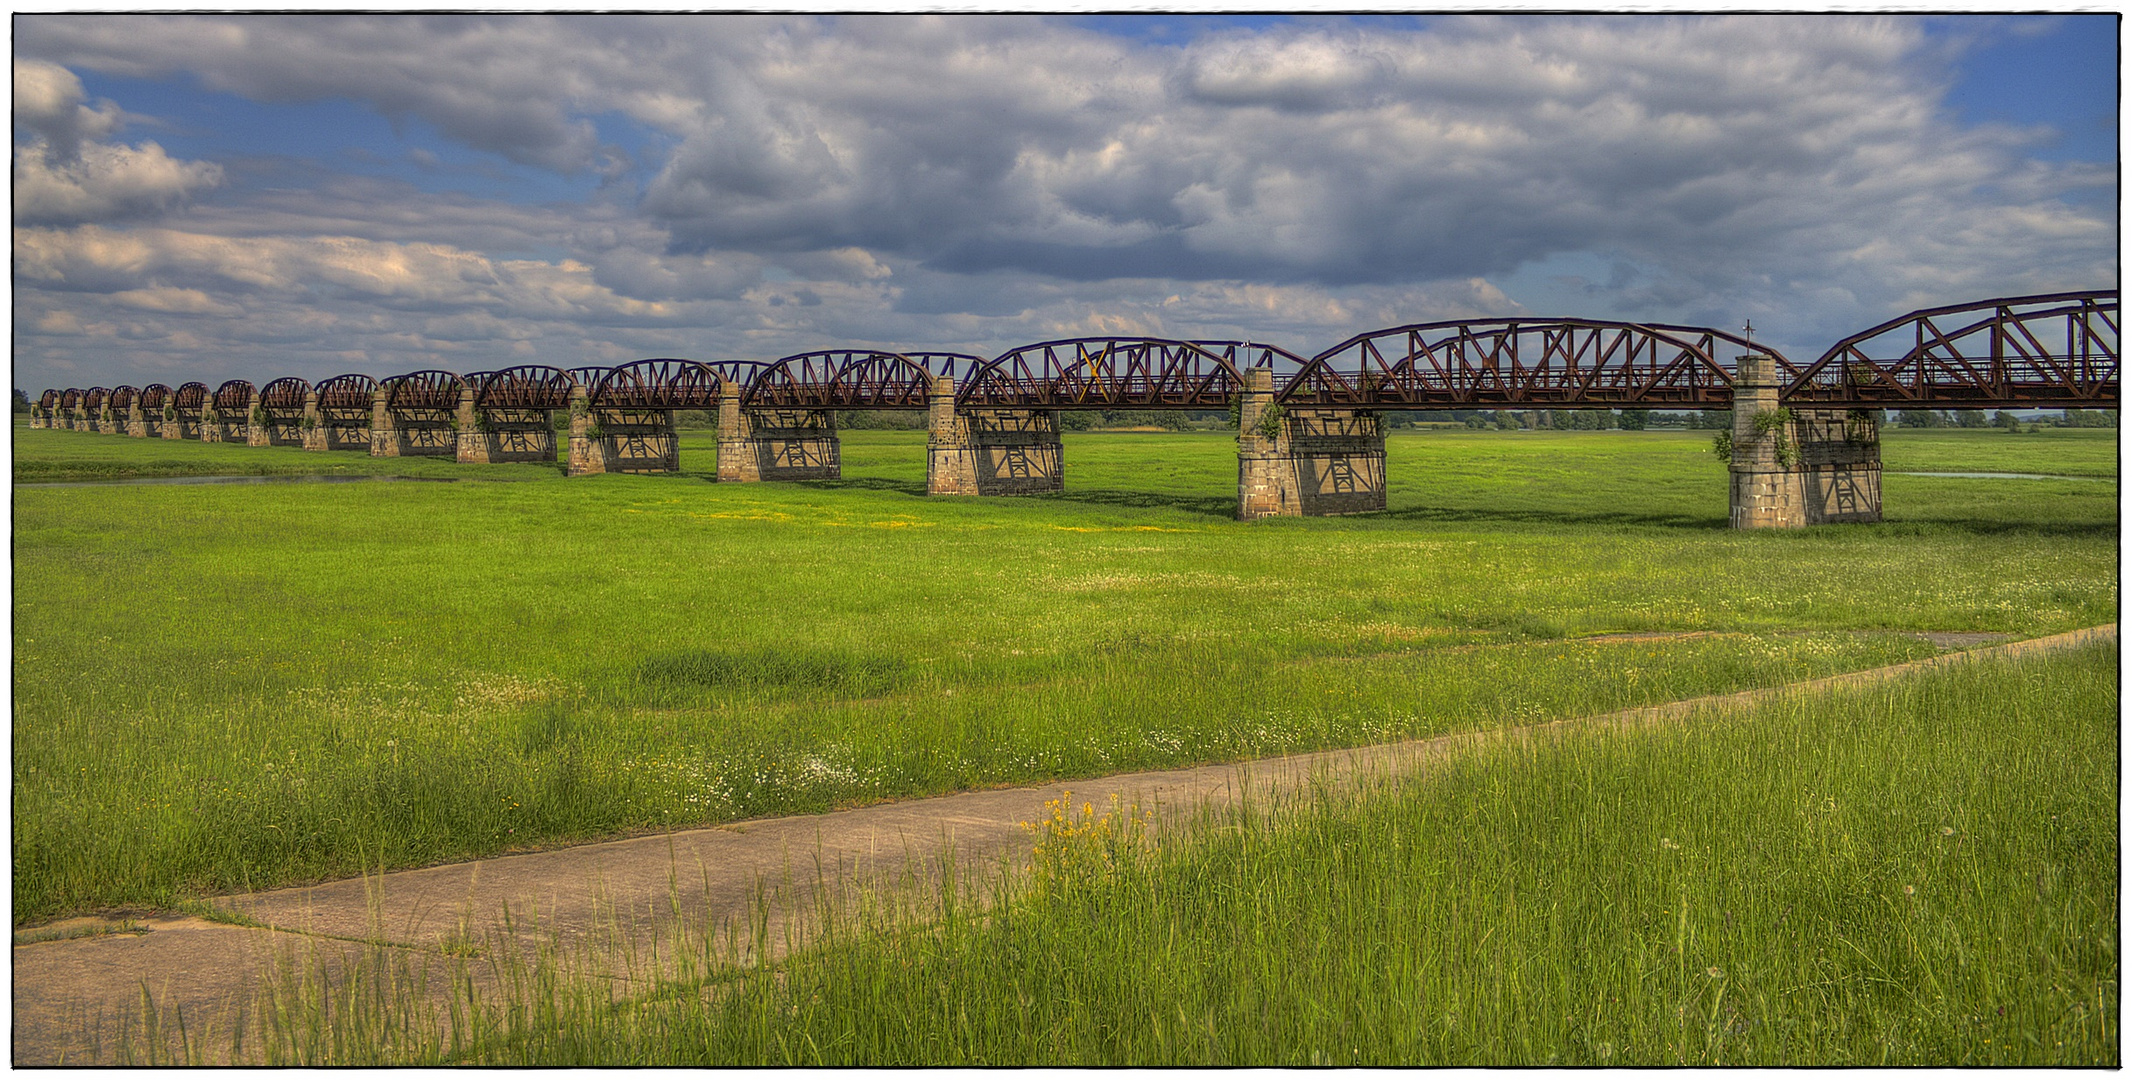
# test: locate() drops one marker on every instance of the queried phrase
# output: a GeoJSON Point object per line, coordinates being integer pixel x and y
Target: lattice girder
{"type": "Point", "coordinates": [1105, 373]}
{"type": "Point", "coordinates": [2047, 350]}
{"type": "Point", "coordinates": [1529, 363]}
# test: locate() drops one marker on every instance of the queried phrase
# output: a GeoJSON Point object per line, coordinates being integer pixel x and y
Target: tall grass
{"type": "Point", "coordinates": [237, 687]}
{"type": "Point", "coordinates": [1923, 872]}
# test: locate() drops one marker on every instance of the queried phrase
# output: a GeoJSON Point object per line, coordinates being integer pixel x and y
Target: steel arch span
{"type": "Point", "coordinates": [190, 399]}
{"type": "Point", "coordinates": [1105, 373]}
{"type": "Point", "coordinates": [2046, 351]}
{"type": "Point", "coordinates": [122, 397]}
{"type": "Point", "coordinates": [1524, 363]}
{"type": "Point", "coordinates": [343, 395]}
{"type": "Point", "coordinates": [667, 383]}
{"type": "Point", "coordinates": [430, 390]}
{"type": "Point", "coordinates": [853, 379]}
{"type": "Point", "coordinates": [526, 386]}
{"type": "Point", "coordinates": [284, 395]}
{"type": "Point", "coordinates": [234, 397]}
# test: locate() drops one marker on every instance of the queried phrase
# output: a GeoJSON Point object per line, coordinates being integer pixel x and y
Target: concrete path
{"type": "Point", "coordinates": [76, 999]}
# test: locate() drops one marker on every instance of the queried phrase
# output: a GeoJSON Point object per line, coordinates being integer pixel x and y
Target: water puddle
{"type": "Point", "coordinates": [2011, 476]}
{"type": "Point", "coordinates": [249, 480]}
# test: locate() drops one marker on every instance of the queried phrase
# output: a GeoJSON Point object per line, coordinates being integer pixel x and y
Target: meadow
{"type": "Point", "coordinates": [1930, 878]}
{"type": "Point", "coordinates": [221, 687]}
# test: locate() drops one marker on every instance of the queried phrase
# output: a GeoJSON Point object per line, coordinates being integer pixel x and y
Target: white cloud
{"type": "Point", "coordinates": [980, 182]}
{"type": "Point", "coordinates": [103, 182]}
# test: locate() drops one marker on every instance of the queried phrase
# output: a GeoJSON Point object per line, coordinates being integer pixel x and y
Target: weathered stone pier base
{"type": "Point", "coordinates": [1818, 467]}
{"type": "Point", "coordinates": [271, 429]}
{"type": "Point", "coordinates": [82, 420]}
{"type": "Point", "coordinates": [504, 435]}
{"type": "Point", "coordinates": [216, 427]}
{"type": "Point", "coordinates": [108, 422]}
{"type": "Point", "coordinates": [410, 432]}
{"type": "Point", "coordinates": [776, 444]}
{"type": "Point", "coordinates": [183, 427]}
{"type": "Point", "coordinates": [136, 422]}
{"type": "Point", "coordinates": [1316, 462]}
{"type": "Point", "coordinates": [990, 451]}
{"type": "Point", "coordinates": [624, 441]}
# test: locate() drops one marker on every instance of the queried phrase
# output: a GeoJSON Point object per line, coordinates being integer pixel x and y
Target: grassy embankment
{"type": "Point", "coordinates": [1922, 872]}
{"type": "Point", "coordinates": [228, 686]}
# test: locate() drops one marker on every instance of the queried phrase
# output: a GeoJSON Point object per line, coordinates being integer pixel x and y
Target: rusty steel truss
{"type": "Point", "coordinates": [2051, 350]}
{"type": "Point", "coordinates": [853, 379]}
{"type": "Point", "coordinates": [1519, 363]}
{"type": "Point", "coordinates": [234, 398]}
{"type": "Point", "coordinates": [1105, 373]}
{"type": "Point", "coordinates": [2045, 351]}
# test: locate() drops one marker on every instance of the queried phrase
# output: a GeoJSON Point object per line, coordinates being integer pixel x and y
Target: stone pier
{"type": "Point", "coordinates": [621, 440]}
{"type": "Point", "coordinates": [1796, 467]}
{"type": "Point", "coordinates": [218, 426]}
{"type": "Point", "coordinates": [271, 428]}
{"type": "Point", "coordinates": [108, 421]}
{"type": "Point", "coordinates": [136, 419]}
{"type": "Point", "coordinates": [335, 429]}
{"type": "Point", "coordinates": [410, 432]}
{"type": "Point", "coordinates": [981, 450]}
{"type": "Point", "coordinates": [1306, 461]}
{"type": "Point", "coordinates": [81, 420]}
{"type": "Point", "coordinates": [775, 444]}
{"type": "Point", "coordinates": [497, 436]}
{"type": "Point", "coordinates": [177, 425]}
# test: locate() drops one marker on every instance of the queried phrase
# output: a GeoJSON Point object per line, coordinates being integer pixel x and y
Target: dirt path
{"type": "Point", "coordinates": [74, 997]}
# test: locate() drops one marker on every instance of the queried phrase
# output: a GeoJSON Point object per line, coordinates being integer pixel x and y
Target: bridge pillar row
{"type": "Point", "coordinates": [1305, 461]}
{"type": "Point", "coordinates": [775, 444]}
{"type": "Point", "coordinates": [985, 450]}
{"type": "Point", "coordinates": [620, 440]}
{"type": "Point", "coordinates": [1799, 467]}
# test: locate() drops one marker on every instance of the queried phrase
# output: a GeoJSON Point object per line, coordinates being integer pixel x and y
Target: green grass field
{"type": "Point", "coordinates": [1920, 872]}
{"type": "Point", "coordinates": [228, 686]}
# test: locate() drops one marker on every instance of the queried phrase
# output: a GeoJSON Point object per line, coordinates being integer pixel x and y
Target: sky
{"type": "Point", "coordinates": [249, 196]}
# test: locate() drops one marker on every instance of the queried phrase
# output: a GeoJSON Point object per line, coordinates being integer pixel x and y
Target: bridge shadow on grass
{"type": "Point", "coordinates": [1547, 518]}
{"type": "Point", "coordinates": [1222, 507]}
{"type": "Point", "coordinates": [865, 483]}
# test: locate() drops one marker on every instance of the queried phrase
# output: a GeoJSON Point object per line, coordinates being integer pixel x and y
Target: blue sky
{"type": "Point", "coordinates": [228, 196]}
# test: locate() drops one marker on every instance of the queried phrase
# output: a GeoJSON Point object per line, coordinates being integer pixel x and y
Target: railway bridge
{"type": "Point", "coordinates": [1804, 442]}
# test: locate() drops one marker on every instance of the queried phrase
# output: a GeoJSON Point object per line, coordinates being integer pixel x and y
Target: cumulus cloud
{"type": "Point", "coordinates": [49, 102]}
{"type": "Point", "coordinates": [975, 182]}
{"type": "Point", "coordinates": [103, 182]}
{"type": "Point", "coordinates": [64, 174]}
